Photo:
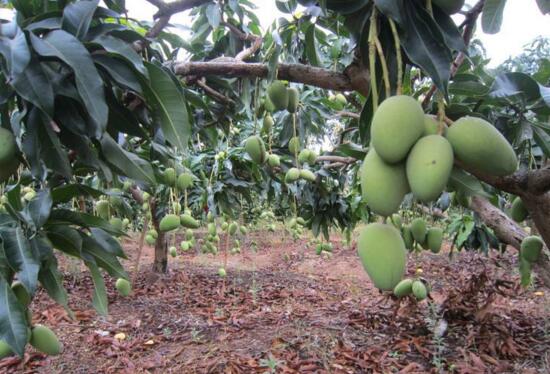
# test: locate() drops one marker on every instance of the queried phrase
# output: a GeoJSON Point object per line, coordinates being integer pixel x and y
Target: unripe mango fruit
{"type": "Point", "coordinates": [233, 227]}
{"type": "Point", "coordinates": [267, 124]}
{"type": "Point", "coordinates": [480, 146]}
{"type": "Point", "coordinates": [5, 349]}
{"type": "Point", "coordinates": [185, 180]}
{"type": "Point", "coordinates": [169, 222]}
{"type": "Point", "coordinates": [292, 175]}
{"type": "Point", "coordinates": [294, 145]}
{"type": "Point", "coordinates": [303, 156]}
{"type": "Point", "coordinates": [403, 288]}
{"type": "Point", "coordinates": [418, 230]}
{"type": "Point", "coordinates": [123, 287]}
{"type": "Point", "coordinates": [173, 251]}
{"type": "Point", "coordinates": [518, 212]}
{"type": "Point", "coordinates": [434, 239]}
{"type": "Point", "coordinates": [449, 6]}
{"type": "Point", "coordinates": [278, 95]}
{"type": "Point", "coordinates": [396, 126]}
{"type": "Point", "coordinates": [44, 340]}
{"type": "Point", "coordinates": [307, 175]}
{"type": "Point", "coordinates": [169, 176]}
{"type": "Point", "coordinates": [431, 126]}
{"type": "Point", "coordinates": [419, 290]}
{"type": "Point", "coordinates": [408, 238]}
{"type": "Point", "coordinates": [382, 253]}
{"type": "Point", "coordinates": [116, 223]}
{"type": "Point", "coordinates": [273, 161]}
{"type": "Point", "coordinates": [102, 209]}
{"type": "Point", "coordinates": [21, 293]}
{"type": "Point", "coordinates": [531, 248]}
{"type": "Point", "coordinates": [150, 239]}
{"type": "Point", "coordinates": [293, 100]}
{"type": "Point", "coordinates": [429, 167]}
{"type": "Point", "coordinates": [383, 185]}
{"type": "Point", "coordinates": [255, 148]}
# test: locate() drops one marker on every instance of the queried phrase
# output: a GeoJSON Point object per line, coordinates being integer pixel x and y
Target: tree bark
{"type": "Point", "coordinates": [509, 232]}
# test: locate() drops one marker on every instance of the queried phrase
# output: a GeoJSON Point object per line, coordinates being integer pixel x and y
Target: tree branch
{"type": "Point", "coordinates": [213, 93]}
{"type": "Point", "coordinates": [305, 74]}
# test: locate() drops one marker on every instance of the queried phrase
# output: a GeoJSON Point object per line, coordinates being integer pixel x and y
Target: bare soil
{"type": "Point", "coordinates": [284, 309]}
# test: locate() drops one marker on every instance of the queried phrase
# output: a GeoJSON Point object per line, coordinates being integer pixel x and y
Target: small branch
{"type": "Point", "coordinates": [337, 159]}
{"type": "Point", "coordinates": [397, 43]}
{"type": "Point", "coordinates": [213, 93]}
{"type": "Point", "coordinates": [344, 113]}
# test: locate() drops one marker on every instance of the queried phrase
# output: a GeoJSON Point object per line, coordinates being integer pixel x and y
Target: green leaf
{"type": "Point", "coordinates": [425, 44]}
{"type": "Point", "coordinates": [21, 257]}
{"type": "Point", "coordinates": [33, 85]}
{"type": "Point", "coordinates": [99, 298]}
{"type": "Point", "coordinates": [13, 321]}
{"type": "Point", "coordinates": [65, 239]}
{"type": "Point", "coordinates": [170, 105]}
{"type": "Point", "coordinates": [542, 139]}
{"type": "Point", "coordinates": [515, 85]}
{"type": "Point", "coordinates": [52, 280]}
{"type": "Point", "coordinates": [38, 209]}
{"type": "Point", "coordinates": [16, 54]}
{"type": "Point", "coordinates": [103, 258]}
{"type": "Point", "coordinates": [491, 19]}
{"type": "Point", "coordinates": [466, 183]}
{"type": "Point", "coordinates": [66, 193]}
{"type": "Point", "coordinates": [107, 242]}
{"type": "Point", "coordinates": [213, 15]}
{"type": "Point", "coordinates": [311, 48]}
{"type": "Point", "coordinates": [70, 50]}
{"type": "Point", "coordinates": [544, 6]}
{"type": "Point", "coordinates": [119, 47]}
{"type": "Point", "coordinates": [119, 72]}
{"type": "Point", "coordinates": [78, 16]}
{"type": "Point", "coordinates": [70, 217]}
{"type": "Point", "coordinates": [126, 162]}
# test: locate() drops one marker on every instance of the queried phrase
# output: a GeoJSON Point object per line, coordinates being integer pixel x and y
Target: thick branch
{"type": "Point", "coordinates": [305, 74]}
{"type": "Point", "coordinates": [522, 182]}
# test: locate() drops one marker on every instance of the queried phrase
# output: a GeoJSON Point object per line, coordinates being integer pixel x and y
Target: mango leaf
{"type": "Point", "coordinates": [65, 239]}
{"type": "Point", "coordinates": [515, 85]}
{"type": "Point", "coordinates": [119, 72]}
{"type": "Point", "coordinates": [544, 6]}
{"type": "Point", "coordinates": [311, 47]}
{"type": "Point", "coordinates": [21, 257]}
{"type": "Point", "coordinates": [344, 6]}
{"type": "Point", "coordinates": [542, 139]}
{"type": "Point", "coordinates": [107, 242]}
{"type": "Point", "coordinates": [213, 15]}
{"type": "Point", "coordinates": [78, 16]}
{"type": "Point", "coordinates": [38, 209]}
{"type": "Point", "coordinates": [13, 321]}
{"type": "Point", "coordinates": [67, 48]}
{"type": "Point", "coordinates": [33, 85]}
{"type": "Point", "coordinates": [118, 6]}
{"type": "Point", "coordinates": [491, 18]}
{"type": "Point", "coordinates": [453, 37]}
{"type": "Point", "coordinates": [425, 44]}
{"type": "Point", "coordinates": [169, 104]}
{"type": "Point", "coordinates": [70, 217]}
{"type": "Point", "coordinates": [52, 280]}
{"type": "Point", "coordinates": [118, 47]}
{"type": "Point", "coordinates": [16, 53]}
{"type": "Point", "coordinates": [99, 298]}
{"type": "Point", "coordinates": [466, 183]}
{"type": "Point", "coordinates": [65, 193]}
{"type": "Point", "coordinates": [103, 258]}
{"type": "Point", "coordinates": [126, 162]}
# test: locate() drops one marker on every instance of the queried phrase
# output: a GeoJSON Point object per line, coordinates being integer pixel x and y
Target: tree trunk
{"type": "Point", "coordinates": [161, 254]}
{"type": "Point", "coordinates": [160, 265]}
{"type": "Point", "coordinates": [510, 233]}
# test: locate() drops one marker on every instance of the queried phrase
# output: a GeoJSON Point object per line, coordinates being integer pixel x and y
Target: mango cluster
{"type": "Point", "coordinates": [415, 287]}
{"type": "Point", "coordinates": [411, 152]}
{"type": "Point", "coordinates": [419, 234]}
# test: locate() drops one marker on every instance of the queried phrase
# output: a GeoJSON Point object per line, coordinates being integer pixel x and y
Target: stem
{"type": "Point", "coordinates": [295, 136]}
{"type": "Point", "coordinates": [385, 72]}
{"type": "Point", "coordinates": [440, 112]}
{"type": "Point", "coordinates": [140, 248]}
{"type": "Point", "coordinates": [372, 59]}
{"type": "Point", "coordinates": [429, 7]}
{"type": "Point", "coordinates": [399, 57]}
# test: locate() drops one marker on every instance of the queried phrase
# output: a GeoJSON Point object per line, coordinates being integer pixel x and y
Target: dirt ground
{"type": "Point", "coordinates": [284, 309]}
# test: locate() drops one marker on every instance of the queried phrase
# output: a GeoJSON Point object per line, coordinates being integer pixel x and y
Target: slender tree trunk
{"type": "Point", "coordinates": [509, 231]}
